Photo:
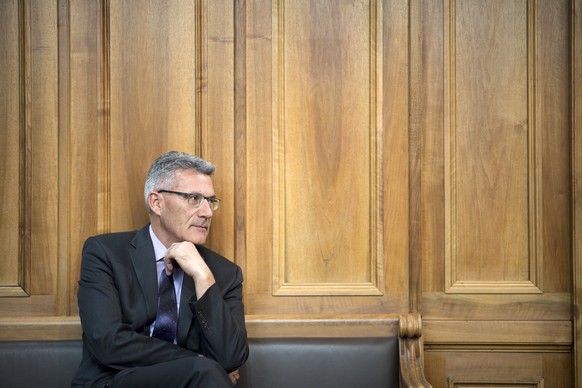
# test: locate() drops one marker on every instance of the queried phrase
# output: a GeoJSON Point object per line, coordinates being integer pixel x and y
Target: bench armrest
{"type": "Point", "coordinates": [411, 350]}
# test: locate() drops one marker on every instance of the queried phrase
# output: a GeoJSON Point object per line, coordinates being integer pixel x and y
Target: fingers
{"type": "Point", "coordinates": [185, 255]}
{"type": "Point", "coordinates": [181, 251]}
{"type": "Point", "coordinates": [234, 376]}
{"type": "Point", "coordinates": [170, 265]}
{"type": "Point", "coordinates": [177, 253]}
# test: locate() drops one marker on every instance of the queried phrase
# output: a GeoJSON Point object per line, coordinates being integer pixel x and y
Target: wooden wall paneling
{"type": "Point", "coordinates": [499, 369]}
{"type": "Point", "coordinates": [356, 325]}
{"type": "Point", "coordinates": [550, 306]}
{"type": "Point", "coordinates": [12, 153]}
{"type": "Point", "coordinates": [37, 134]}
{"type": "Point", "coordinates": [222, 126]}
{"type": "Point", "coordinates": [326, 168]}
{"type": "Point", "coordinates": [302, 113]}
{"type": "Point", "coordinates": [32, 99]}
{"type": "Point", "coordinates": [511, 270]}
{"type": "Point", "coordinates": [104, 118]}
{"type": "Point", "coordinates": [261, 107]}
{"type": "Point", "coordinates": [152, 76]}
{"type": "Point", "coordinates": [516, 335]}
{"type": "Point", "coordinates": [487, 218]}
{"type": "Point", "coordinates": [86, 212]}
{"type": "Point", "coordinates": [39, 68]}
{"type": "Point", "coordinates": [553, 111]}
{"type": "Point", "coordinates": [395, 155]}
{"type": "Point", "coordinates": [298, 92]}
{"type": "Point", "coordinates": [558, 370]}
{"type": "Point", "coordinates": [240, 130]}
{"type": "Point", "coordinates": [504, 171]}
{"type": "Point", "coordinates": [42, 146]}
{"type": "Point", "coordinates": [64, 146]}
{"type": "Point", "coordinates": [576, 155]}
{"type": "Point", "coordinates": [425, 121]}
{"type": "Point", "coordinates": [40, 328]}
{"type": "Point", "coordinates": [427, 117]}
{"type": "Point", "coordinates": [475, 261]}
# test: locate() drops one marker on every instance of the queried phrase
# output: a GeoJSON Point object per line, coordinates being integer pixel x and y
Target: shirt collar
{"type": "Point", "coordinates": [159, 248]}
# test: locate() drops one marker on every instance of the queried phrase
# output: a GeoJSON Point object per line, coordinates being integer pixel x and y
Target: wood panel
{"type": "Point", "coordinates": [503, 251]}
{"type": "Point", "coordinates": [490, 184]}
{"type": "Point", "coordinates": [41, 148]}
{"type": "Point", "coordinates": [553, 111]}
{"type": "Point", "coordinates": [396, 153]}
{"type": "Point", "coordinates": [86, 136]}
{"type": "Point", "coordinates": [10, 143]}
{"type": "Point", "coordinates": [326, 192]}
{"type": "Point", "coordinates": [373, 157]}
{"type": "Point", "coordinates": [495, 369]}
{"type": "Point", "coordinates": [221, 132]}
{"type": "Point", "coordinates": [524, 335]}
{"type": "Point", "coordinates": [502, 207]}
{"type": "Point", "coordinates": [494, 216]}
{"type": "Point", "coordinates": [576, 147]}
{"type": "Point", "coordinates": [30, 111]}
{"type": "Point", "coordinates": [256, 217]}
{"type": "Point", "coordinates": [319, 141]}
{"type": "Point", "coordinates": [153, 89]}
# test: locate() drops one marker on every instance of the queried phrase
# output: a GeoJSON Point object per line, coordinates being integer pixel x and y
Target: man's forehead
{"type": "Point", "coordinates": [193, 180]}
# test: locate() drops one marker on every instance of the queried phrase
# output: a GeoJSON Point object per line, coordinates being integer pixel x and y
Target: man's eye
{"type": "Point", "coordinates": [196, 197]}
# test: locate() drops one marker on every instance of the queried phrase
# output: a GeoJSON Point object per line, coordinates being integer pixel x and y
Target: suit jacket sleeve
{"type": "Point", "coordinates": [219, 318]}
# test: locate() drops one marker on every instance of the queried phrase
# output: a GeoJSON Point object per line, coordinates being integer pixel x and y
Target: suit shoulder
{"type": "Point", "coordinates": [115, 237]}
{"type": "Point", "coordinates": [118, 240]}
{"type": "Point", "coordinates": [213, 257]}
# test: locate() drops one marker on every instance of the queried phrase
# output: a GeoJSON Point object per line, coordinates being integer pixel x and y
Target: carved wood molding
{"type": "Point", "coordinates": [479, 336]}
{"type": "Point", "coordinates": [40, 328]}
{"type": "Point", "coordinates": [411, 352]}
{"type": "Point", "coordinates": [475, 383]}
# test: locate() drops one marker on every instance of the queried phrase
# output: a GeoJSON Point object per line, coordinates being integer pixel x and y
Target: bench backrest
{"type": "Point", "coordinates": [273, 362]}
{"type": "Point", "coordinates": [321, 363]}
{"type": "Point", "coordinates": [30, 364]}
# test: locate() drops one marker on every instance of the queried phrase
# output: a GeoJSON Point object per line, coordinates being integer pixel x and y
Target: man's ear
{"type": "Point", "coordinates": [154, 201]}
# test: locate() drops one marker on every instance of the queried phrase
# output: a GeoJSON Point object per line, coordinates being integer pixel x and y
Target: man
{"type": "Point", "coordinates": [130, 334]}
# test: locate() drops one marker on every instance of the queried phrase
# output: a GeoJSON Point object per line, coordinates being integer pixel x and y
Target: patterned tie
{"type": "Point", "coordinates": [165, 326]}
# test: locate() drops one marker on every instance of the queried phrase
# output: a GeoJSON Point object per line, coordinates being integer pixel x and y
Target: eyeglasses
{"type": "Point", "coordinates": [195, 199]}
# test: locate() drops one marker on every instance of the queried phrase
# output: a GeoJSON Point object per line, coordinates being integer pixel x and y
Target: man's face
{"type": "Point", "coordinates": [178, 220]}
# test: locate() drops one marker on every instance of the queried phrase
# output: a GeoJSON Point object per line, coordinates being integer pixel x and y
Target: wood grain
{"type": "Point", "coordinates": [373, 158]}
{"type": "Point", "coordinates": [12, 153]}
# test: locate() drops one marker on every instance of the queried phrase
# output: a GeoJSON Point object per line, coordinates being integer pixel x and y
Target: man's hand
{"type": "Point", "coordinates": [234, 376]}
{"type": "Point", "coordinates": [186, 256]}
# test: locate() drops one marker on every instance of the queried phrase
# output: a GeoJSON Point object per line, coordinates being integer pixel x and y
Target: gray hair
{"type": "Point", "coordinates": [162, 173]}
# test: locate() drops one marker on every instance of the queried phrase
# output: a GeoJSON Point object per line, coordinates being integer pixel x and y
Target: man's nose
{"type": "Point", "coordinates": [205, 209]}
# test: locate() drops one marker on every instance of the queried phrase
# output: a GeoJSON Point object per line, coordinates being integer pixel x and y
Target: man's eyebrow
{"type": "Point", "coordinates": [202, 195]}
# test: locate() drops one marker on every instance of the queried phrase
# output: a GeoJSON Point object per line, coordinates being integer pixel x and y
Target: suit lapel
{"type": "Point", "coordinates": [144, 263]}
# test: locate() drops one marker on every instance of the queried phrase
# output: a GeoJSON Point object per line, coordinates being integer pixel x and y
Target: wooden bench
{"type": "Point", "coordinates": [287, 361]}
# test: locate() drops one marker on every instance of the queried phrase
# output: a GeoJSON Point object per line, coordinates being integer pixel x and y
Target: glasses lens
{"type": "Point", "coordinates": [195, 199]}
{"type": "Point", "coordinates": [214, 202]}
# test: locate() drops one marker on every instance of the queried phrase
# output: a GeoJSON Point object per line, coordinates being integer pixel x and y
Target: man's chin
{"type": "Point", "coordinates": [197, 238]}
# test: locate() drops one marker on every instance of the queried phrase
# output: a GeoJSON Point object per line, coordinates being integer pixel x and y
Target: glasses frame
{"type": "Point", "coordinates": [213, 202]}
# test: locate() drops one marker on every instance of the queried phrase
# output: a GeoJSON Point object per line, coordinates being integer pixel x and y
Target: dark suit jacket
{"type": "Point", "coordinates": [117, 297]}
